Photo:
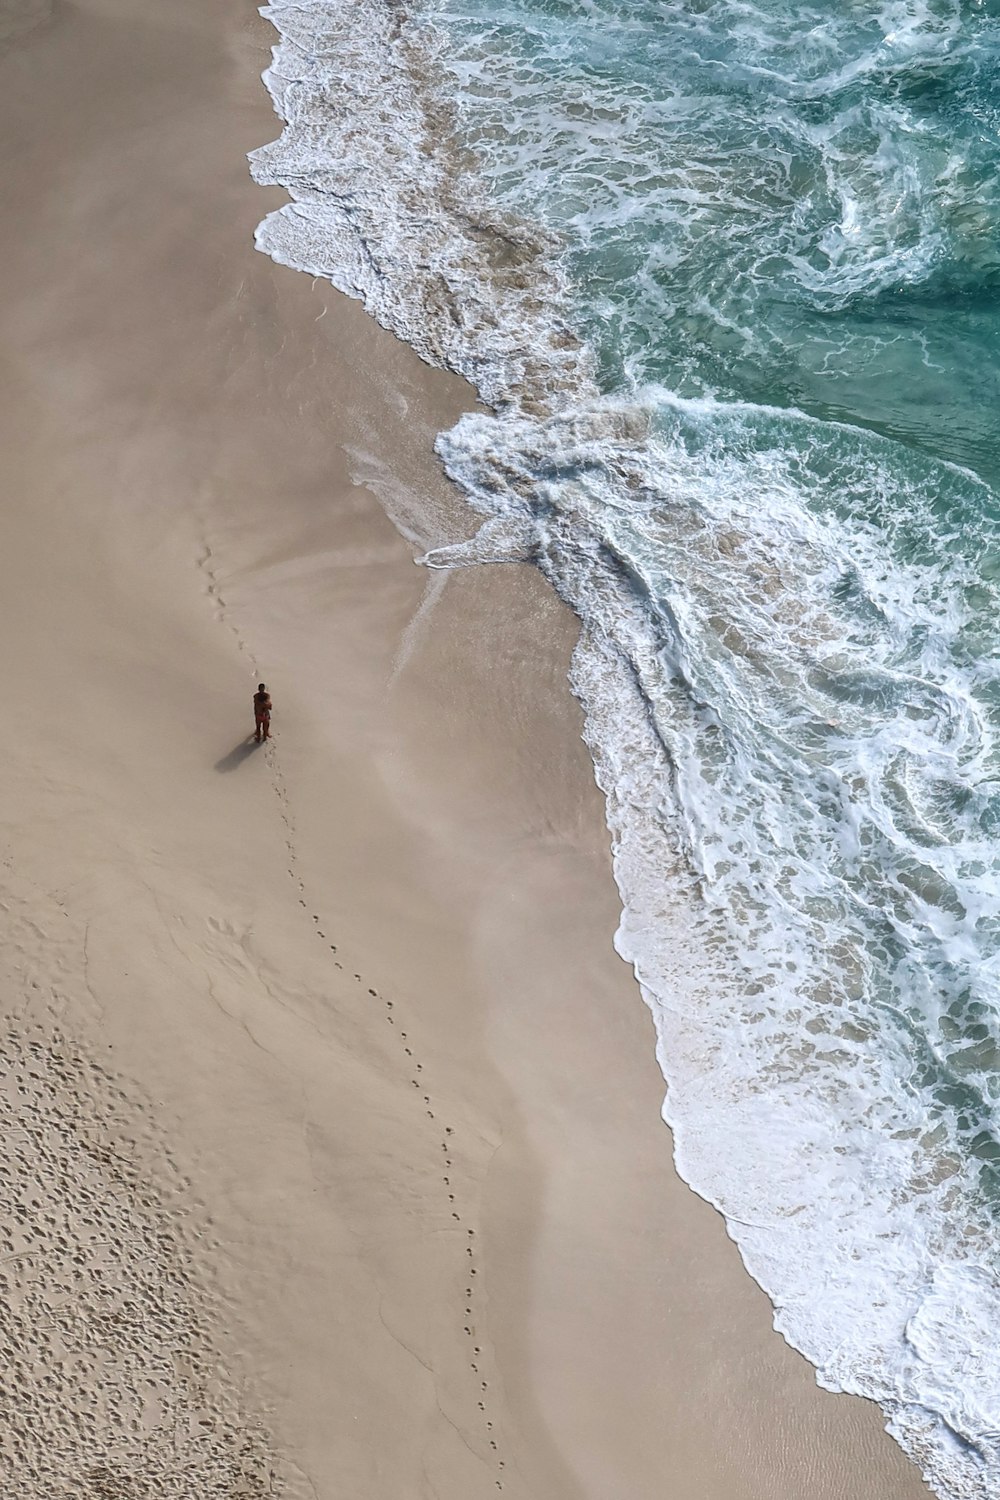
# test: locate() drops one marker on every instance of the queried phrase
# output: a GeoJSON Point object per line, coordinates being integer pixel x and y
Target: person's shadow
{"type": "Point", "coordinates": [238, 754]}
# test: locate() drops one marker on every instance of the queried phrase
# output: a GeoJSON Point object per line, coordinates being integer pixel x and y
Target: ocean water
{"type": "Point", "coordinates": [726, 274]}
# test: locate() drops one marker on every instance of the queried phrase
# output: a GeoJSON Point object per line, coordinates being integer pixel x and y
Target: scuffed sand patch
{"type": "Point", "coordinates": [112, 1380]}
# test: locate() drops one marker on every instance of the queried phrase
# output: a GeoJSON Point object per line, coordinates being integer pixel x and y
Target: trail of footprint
{"type": "Point", "coordinates": [455, 1214]}
{"type": "Point", "coordinates": [217, 597]}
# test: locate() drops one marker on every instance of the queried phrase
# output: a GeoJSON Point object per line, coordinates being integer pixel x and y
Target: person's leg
{"type": "Point", "coordinates": [267, 726]}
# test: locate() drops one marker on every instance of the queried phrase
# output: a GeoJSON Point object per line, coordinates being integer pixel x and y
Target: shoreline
{"type": "Point", "coordinates": [188, 424]}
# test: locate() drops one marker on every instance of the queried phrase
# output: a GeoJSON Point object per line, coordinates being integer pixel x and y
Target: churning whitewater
{"type": "Point", "coordinates": [726, 275]}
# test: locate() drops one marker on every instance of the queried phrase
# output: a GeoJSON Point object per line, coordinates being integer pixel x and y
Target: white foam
{"type": "Point", "coordinates": [783, 706]}
{"type": "Point", "coordinates": [752, 850]}
{"type": "Point", "coordinates": [386, 206]}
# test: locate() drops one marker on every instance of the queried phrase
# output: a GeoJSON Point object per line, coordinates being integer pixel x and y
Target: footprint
{"type": "Point", "coordinates": [373, 992]}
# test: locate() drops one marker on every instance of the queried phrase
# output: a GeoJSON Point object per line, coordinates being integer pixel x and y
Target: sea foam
{"type": "Point", "coordinates": [793, 739]}
{"type": "Point", "coordinates": [389, 208]}
{"type": "Point", "coordinates": [785, 661]}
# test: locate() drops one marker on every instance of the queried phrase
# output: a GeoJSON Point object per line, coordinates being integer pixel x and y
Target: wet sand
{"type": "Point", "coordinates": [331, 1113]}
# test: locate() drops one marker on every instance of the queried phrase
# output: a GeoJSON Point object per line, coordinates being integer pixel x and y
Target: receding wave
{"type": "Point", "coordinates": [712, 272]}
{"type": "Point", "coordinates": [387, 205]}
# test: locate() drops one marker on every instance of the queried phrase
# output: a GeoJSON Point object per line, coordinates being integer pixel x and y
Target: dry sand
{"type": "Point", "coordinates": [330, 1134]}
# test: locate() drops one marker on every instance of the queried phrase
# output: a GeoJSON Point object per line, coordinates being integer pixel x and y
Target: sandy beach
{"type": "Point", "coordinates": [330, 1114]}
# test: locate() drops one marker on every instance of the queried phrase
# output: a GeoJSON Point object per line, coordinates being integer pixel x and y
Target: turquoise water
{"type": "Point", "coordinates": [797, 206]}
{"type": "Point", "coordinates": [726, 273]}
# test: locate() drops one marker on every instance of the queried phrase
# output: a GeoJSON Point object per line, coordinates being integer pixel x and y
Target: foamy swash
{"type": "Point", "coordinates": [725, 276]}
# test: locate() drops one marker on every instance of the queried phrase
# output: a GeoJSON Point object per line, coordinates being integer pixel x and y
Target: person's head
{"type": "Point", "coordinates": [261, 688]}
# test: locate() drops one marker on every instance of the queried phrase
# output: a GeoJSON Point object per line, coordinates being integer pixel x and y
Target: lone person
{"type": "Point", "coordinates": [262, 713]}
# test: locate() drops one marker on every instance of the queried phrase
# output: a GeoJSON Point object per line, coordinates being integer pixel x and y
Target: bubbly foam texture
{"type": "Point", "coordinates": [386, 205]}
{"type": "Point", "coordinates": [803, 722]}
{"type": "Point", "coordinates": [713, 215]}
